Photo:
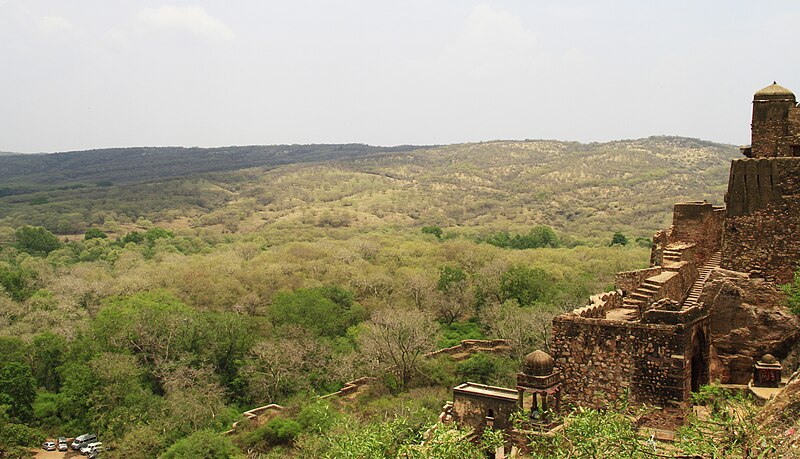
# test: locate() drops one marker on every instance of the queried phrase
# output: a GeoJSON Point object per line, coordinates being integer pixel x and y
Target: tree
{"type": "Point", "coordinates": [435, 230]}
{"type": "Point", "coordinates": [18, 282]}
{"type": "Point", "coordinates": [526, 328]}
{"type": "Point", "coordinates": [523, 284]}
{"type": "Point", "coordinates": [36, 240]}
{"type": "Point", "coordinates": [453, 302]}
{"type": "Point", "coordinates": [48, 354]}
{"type": "Point", "coordinates": [17, 390]}
{"type": "Point", "coordinates": [274, 368]}
{"type": "Point", "coordinates": [328, 311]}
{"type": "Point", "coordinates": [398, 338]}
{"type": "Point", "coordinates": [619, 239]}
{"type": "Point", "coordinates": [205, 444]}
{"type": "Point", "coordinates": [94, 233]}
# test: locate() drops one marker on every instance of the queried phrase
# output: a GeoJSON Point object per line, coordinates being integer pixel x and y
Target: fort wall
{"type": "Point", "coordinates": [602, 359]}
{"type": "Point", "coordinates": [762, 224]}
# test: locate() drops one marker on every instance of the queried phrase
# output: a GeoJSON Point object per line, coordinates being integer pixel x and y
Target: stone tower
{"type": "Point", "coordinates": [763, 200]}
{"type": "Point", "coordinates": [775, 131]}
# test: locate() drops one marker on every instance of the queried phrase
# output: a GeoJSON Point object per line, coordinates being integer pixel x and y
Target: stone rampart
{"type": "Point", "coordinates": [599, 304]}
{"type": "Point", "coordinates": [762, 223]}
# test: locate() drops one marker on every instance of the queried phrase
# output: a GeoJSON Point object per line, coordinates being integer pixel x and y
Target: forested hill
{"type": "Point", "coordinates": [139, 164]}
{"type": "Point", "coordinates": [588, 190]}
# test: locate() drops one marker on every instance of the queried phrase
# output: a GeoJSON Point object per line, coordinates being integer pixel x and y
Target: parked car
{"type": "Point", "coordinates": [49, 446]}
{"type": "Point", "coordinates": [63, 444]}
{"type": "Point", "coordinates": [91, 447]}
{"type": "Point", "coordinates": [83, 440]}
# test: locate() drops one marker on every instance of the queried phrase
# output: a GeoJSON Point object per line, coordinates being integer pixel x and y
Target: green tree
{"type": "Point", "coordinates": [619, 239]}
{"type": "Point", "coordinates": [158, 233]}
{"type": "Point", "coordinates": [133, 237]}
{"type": "Point", "coordinates": [203, 444]}
{"type": "Point", "coordinates": [451, 278]}
{"type": "Point", "coordinates": [36, 240]}
{"type": "Point", "coordinates": [435, 230]}
{"type": "Point", "coordinates": [18, 282]}
{"type": "Point", "coordinates": [94, 233]}
{"type": "Point", "coordinates": [542, 236]}
{"type": "Point", "coordinates": [16, 440]}
{"type": "Point", "coordinates": [478, 368]}
{"type": "Point", "coordinates": [17, 390]}
{"type": "Point", "coordinates": [327, 311]}
{"type": "Point", "coordinates": [525, 285]}
{"type": "Point", "coordinates": [48, 351]}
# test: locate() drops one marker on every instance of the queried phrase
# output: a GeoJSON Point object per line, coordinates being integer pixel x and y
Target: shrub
{"type": "Point", "coordinates": [277, 431]}
{"type": "Point", "coordinates": [205, 444]}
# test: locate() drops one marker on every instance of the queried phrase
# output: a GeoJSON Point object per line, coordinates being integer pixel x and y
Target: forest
{"type": "Point", "coordinates": [155, 309]}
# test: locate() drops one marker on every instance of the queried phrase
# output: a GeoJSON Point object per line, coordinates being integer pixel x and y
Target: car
{"type": "Point", "coordinates": [91, 447]}
{"type": "Point", "coordinates": [49, 446]}
{"type": "Point", "coordinates": [63, 444]}
{"type": "Point", "coordinates": [83, 440]}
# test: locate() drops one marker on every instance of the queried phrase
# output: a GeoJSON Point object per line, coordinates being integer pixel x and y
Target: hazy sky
{"type": "Point", "coordinates": [85, 74]}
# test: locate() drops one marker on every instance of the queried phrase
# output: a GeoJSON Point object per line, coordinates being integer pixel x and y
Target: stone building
{"type": "Point", "coordinates": [708, 305]}
{"type": "Point", "coordinates": [538, 393]}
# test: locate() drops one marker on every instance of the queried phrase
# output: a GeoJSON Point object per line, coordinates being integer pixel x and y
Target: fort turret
{"type": "Point", "coordinates": [775, 130]}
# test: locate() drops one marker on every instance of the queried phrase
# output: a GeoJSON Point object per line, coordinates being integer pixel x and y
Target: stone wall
{"type": "Point", "coordinates": [599, 304]}
{"type": "Point", "coordinates": [602, 359]}
{"type": "Point", "coordinates": [698, 223]}
{"type": "Point", "coordinates": [763, 220]}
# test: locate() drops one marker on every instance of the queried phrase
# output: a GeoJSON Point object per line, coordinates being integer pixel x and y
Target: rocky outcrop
{"type": "Point", "coordinates": [748, 319]}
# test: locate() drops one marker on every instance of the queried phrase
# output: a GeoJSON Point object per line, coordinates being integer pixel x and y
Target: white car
{"type": "Point", "coordinates": [92, 447]}
{"type": "Point", "coordinates": [49, 446]}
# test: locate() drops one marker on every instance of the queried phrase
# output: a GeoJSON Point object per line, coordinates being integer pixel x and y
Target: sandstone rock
{"type": "Point", "coordinates": [748, 319]}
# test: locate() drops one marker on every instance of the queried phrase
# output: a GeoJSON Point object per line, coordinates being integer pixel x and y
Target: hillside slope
{"type": "Point", "coordinates": [587, 190]}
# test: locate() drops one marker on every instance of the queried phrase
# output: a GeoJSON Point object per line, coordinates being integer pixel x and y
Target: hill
{"type": "Point", "coordinates": [583, 189]}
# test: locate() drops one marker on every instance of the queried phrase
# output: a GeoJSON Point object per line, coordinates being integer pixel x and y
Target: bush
{"type": "Point", "coordinates": [619, 239]}
{"type": "Point", "coordinates": [277, 431]}
{"type": "Point", "coordinates": [36, 240]}
{"type": "Point", "coordinates": [94, 233]}
{"type": "Point", "coordinates": [328, 311]}
{"type": "Point", "coordinates": [478, 368]}
{"type": "Point", "coordinates": [205, 444]}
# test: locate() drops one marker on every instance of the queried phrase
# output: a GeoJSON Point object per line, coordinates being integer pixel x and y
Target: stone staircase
{"type": "Point", "coordinates": [672, 255]}
{"type": "Point", "coordinates": [697, 288]}
{"type": "Point", "coordinates": [643, 296]}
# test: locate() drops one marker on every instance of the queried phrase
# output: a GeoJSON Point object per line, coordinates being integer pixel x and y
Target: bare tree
{"type": "Point", "coordinates": [526, 328]}
{"type": "Point", "coordinates": [399, 338]}
{"type": "Point", "coordinates": [272, 366]}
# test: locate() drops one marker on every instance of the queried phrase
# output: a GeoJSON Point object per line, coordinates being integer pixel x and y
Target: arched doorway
{"type": "Point", "coordinates": [699, 360]}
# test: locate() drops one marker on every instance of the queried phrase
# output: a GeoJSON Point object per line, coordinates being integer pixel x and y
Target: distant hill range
{"type": "Point", "coordinates": [139, 164]}
{"type": "Point", "coordinates": [584, 189]}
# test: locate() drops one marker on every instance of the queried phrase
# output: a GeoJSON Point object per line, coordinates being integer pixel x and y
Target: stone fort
{"type": "Point", "coordinates": [707, 309]}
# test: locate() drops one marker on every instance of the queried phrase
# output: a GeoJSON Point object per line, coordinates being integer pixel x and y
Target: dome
{"type": "Point", "coordinates": [538, 363]}
{"type": "Point", "coordinates": [774, 91]}
{"type": "Point", "coordinates": [769, 359]}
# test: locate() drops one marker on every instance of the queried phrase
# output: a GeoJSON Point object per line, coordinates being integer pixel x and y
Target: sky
{"type": "Point", "coordinates": [85, 74]}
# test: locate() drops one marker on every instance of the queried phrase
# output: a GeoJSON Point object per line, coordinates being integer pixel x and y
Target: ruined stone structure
{"type": "Point", "coordinates": [688, 318]}
{"type": "Point", "coordinates": [478, 406]}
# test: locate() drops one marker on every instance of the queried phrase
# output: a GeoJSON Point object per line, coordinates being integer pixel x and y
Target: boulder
{"type": "Point", "coordinates": [749, 318]}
